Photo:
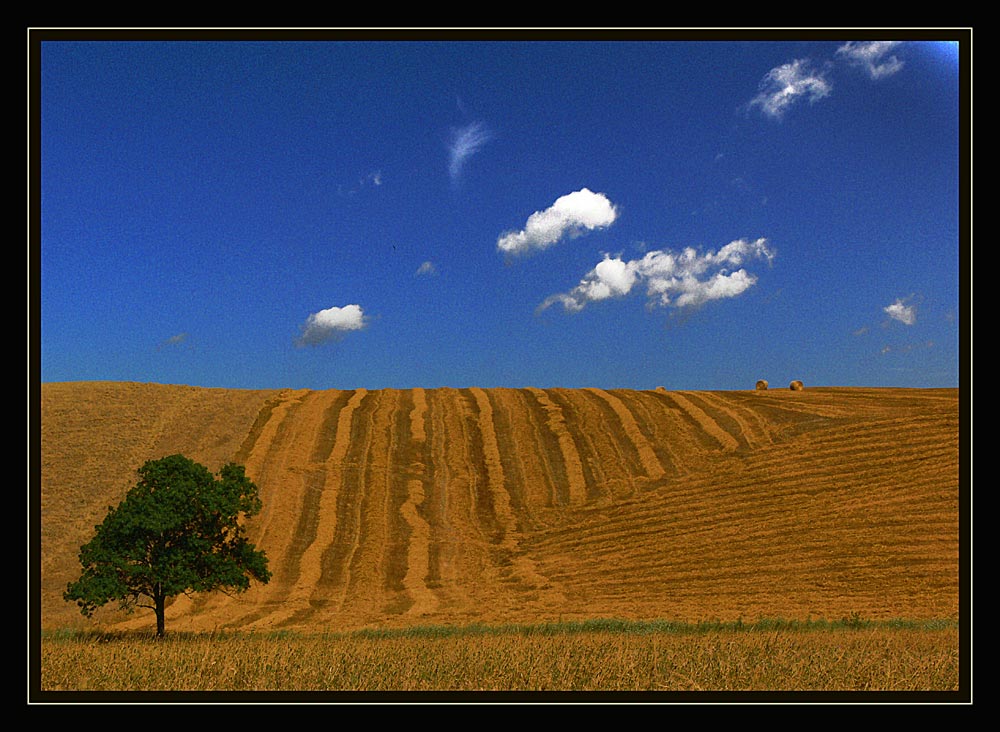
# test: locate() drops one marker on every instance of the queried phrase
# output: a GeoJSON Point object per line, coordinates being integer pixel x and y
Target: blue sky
{"type": "Point", "coordinates": [344, 214]}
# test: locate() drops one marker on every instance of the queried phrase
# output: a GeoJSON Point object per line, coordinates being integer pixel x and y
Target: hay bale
{"type": "Point", "coordinates": [796, 386]}
{"type": "Point", "coordinates": [761, 385]}
{"type": "Point", "coordinates": [661, 388]}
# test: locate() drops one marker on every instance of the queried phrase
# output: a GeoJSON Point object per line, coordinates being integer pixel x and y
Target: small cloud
{"type": "Point", "coordinates": [373, 178]}
{"type": "Point", "coordinates": [899, 310]}
{"type": "Point", "coordinates": [785, 85]}
{"type": "Point", "coordinates": [861, 331]}
{"type": "Point", "coordinates": [907, 347]}
{"type": "Point", "coordinates": [465, 142]}
{"type": "Point", "coordinates": [872, 56]}
{"type": "Point", "coordinates": [675, 279]}
{"type": "Point", "coordinates": [570, 215]}
{"type": "Point", "coordinates": [172, 341]}
{"type": "Point", "coordinates": [427, 268]}
{"type": "Point", "coordinates": [330, 324]}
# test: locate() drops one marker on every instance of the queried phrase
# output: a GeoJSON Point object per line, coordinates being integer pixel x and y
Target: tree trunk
{"type": "Point", "coordinates": [161, 603]}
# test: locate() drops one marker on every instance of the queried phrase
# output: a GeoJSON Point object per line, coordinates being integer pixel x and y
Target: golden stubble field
{"type": "Point", "coordinates": [425, 507]}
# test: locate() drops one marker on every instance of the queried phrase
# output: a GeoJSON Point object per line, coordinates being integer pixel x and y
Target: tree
{"type": "Point", "coordinates": [177, 531]}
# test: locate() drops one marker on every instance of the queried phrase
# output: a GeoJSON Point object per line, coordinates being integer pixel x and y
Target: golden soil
{"type": "Point", "coordinates": [456, 506]}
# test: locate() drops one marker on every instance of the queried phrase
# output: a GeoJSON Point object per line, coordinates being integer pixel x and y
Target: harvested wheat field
{"type": "Point", "coordinates": [396, 508]}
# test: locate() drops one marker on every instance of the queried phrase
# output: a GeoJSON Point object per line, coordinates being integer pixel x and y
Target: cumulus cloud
{"type": "Point", "coordinates": [570, 215]}
{"type": "Point", "coordinates": [465, 142]}
{"type": "Point", "coordinates": [873, 56]}
{"type": "Point", "coordinates": [331, 324]}
{"type": "Point", "coordinates": [787, 84]}
{"type": "Point", "coordinates": [427, 268]}
{"type": "Point", "coordinates": [899, 310]}
{"type": "Point", "coordinates": [671, 279]}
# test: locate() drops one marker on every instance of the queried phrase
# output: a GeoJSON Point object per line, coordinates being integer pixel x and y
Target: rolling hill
{"type": "Point", "coordinates": [455, 506]}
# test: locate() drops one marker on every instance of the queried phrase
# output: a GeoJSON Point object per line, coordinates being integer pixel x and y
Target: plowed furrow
{"type": "Point", "coordinates": [457, 552]}
{"type": "Point", "coordinates": [717, 422]}
{"type": "Point", "coordinates": [286, 592]}
{"type": "Point", "coordinates": [423, 600]}
{"type": "Point", "coordinates": [748, 530]}
{"type": "Point", "coordinates": [334, 420]}
{"type": "Point", "coordinates": [281, 454]}
{"type": "Point", "coordinates": [648, 460]}
{"type": "Point", "coordinates": [763, 492]}
{"type": "Point", "coordinates": [936, 458]}
{"type": "Point", "coordinates": [257, 428]}
{"type": "Point", "coordinates": [496, 488]}
{"type": "Point", "coordinates": [576, 481]}
{"type": "Point", "coordinates": [484, 467]}
{"type": "Point", "coordinates": [665, 426]}
{"type": "Point", "coordinates": [749, 422]}
{"type": "Point", "coordinates": [611, 462]}
{"type": "Point", "coordinates": [788, 468]}
{"type": "Point", "coordinates": [890, 434]}
{"type": "Point", "coordinates": [657, 459]}
{"type": "Point", "coordinates": [514, 456]}
{"type": "Point", "coordinates": [699, 434]}
{"type": "Point", "coordinates": [548, 449]}
{"type": "Point", "coordinates": [335, 556]}
{"type": "Point", "coordinates": [331, 447]}
{"type": "Point", "coordinates": [747, 555]}
{"type": "Point", "coordinates": [396, 533]}
{"type": "Point", "coordinates": [514, 565]}
{"type": "Point", "coordinates": [576, 411]}
{"type": "Point", "coordinates": [365, 590]}
{"type": "Point", "coordinates": [441, 543]}
{"type": "Point", "coordinates": [817, 556]}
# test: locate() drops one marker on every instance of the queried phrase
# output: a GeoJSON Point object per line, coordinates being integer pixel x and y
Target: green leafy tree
{"type": "Point", "coordinates": [177, 531]}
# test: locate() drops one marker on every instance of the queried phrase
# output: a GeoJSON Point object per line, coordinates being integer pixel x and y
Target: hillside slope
{"type": "Point", "coordinates": [398, 507]}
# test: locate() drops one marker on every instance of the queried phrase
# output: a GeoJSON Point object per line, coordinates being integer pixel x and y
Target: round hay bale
{"type": "Point", "coordinates": [796, 385]}
{"type": "Point", "coordinates": [761, 385]}
{"type": "Point", "coordinates": [661, 388]}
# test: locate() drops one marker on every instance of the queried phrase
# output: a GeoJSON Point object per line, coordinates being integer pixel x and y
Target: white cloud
{"type": "Point", "coordinates": [570, 215]}
{"type": "Point", "coordinates": [675, 279]}
{"type": "Point", "coordinates": [872, 55]}
{"type": "Point", "coordinates": [427, 268]}
{"type": "Point", "coordinates": [465, 142]}
{"type": "Point", "coordinates": [786, 84]}
{"type": "Point", "coordinates": [331, 323]}
{"type": "Point", "coordinates": [902, 312]}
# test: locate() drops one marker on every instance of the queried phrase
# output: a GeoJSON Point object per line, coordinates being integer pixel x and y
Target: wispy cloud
{"type": "Point", "coordinates": [464, 143]}
{"type": "Point", "coordinates": [172, 341]}
{"type": "Point", "coordinates": [873, 56]}
{"type": "Point", "coordinates": [675, 279]}
{"type": "Point", "coordinates": [427, 268]}
{"type": "Point", "coordinates": [570, 215]}
{"type": "Point", "coordinates": [374, 178]}
{"type": "Point", "coordinates": [330, 324]}
{"type": "Point", "coordinates": [788, 84]}
{"type": "Point", "coordinates": [901, 311]}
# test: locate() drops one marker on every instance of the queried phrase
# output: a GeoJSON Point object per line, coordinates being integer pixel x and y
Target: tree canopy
{"type": "Point", "coordinates": [178, 530]}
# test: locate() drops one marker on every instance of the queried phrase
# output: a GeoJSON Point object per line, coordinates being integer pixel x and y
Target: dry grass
{"type": "Point", "coordinates": [863, 659]}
